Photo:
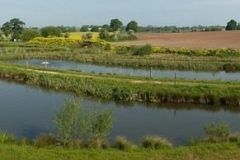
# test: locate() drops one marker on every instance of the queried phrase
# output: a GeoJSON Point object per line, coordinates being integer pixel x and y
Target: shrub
{"type": "Point", "coordinates": [44, 140]}
{"type": "Point", "coordinates": [217, 132]}
{"type": "Point", "coordinates": [123, 144]}
{"type": "Point", "coordinates": [73, 122]}
{"type": "Point", "coordinates": [155, 142]}
{"type": "Point", "coordinates": [66, 120]}
{"type": "Point", "coordinates": [143, 50]}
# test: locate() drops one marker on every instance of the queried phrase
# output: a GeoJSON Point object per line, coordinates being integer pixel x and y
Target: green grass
{"type": "Point", "coordinates": [127, 88]}
{"type": "Point", "coordinates": [219, 151]}
{"type": "Point", "coordinates": [98, 55]}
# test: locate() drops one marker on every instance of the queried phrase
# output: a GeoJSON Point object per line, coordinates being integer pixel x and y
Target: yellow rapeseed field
{"type": "Point", "coordinates": [78, 35]}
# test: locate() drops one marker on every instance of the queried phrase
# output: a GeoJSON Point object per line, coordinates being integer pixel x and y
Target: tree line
{"type": "Point", "coordinates": [15, 29]}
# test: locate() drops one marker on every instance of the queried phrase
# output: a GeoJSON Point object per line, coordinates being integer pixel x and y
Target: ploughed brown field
{"type": "Point", "coordinates": [217, 39]}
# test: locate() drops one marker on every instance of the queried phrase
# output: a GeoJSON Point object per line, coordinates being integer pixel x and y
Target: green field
{"type": "Point", "coordinates": [217, 151]}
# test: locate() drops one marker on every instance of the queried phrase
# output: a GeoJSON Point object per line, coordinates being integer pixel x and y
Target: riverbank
{"type": "Point", "coordinates": [169, 58]}
{"type": "Point", "coordinates": [218, 151]}
{"type": "Point", "coordinates": [125, 88]}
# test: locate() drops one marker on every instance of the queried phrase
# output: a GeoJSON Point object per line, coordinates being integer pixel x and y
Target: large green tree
{"type": "Point", "coordinates": [51, 31]}
{"type": "Point", "coordinates": [13, 28]}
{"type": "Point", "coordinates": [231, 25]}
{"type": "Point", "coordinates": [29, 34]}
{"type": "Point", "coordinates": [133, 25]}
{"type": "Point", "coordinates": [116, 24]}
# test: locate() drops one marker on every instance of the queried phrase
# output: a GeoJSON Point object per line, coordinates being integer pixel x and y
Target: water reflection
{"type": "Point", "coordinates": [155, 73]}
{"type": "Point", "coordinates": [28, 111]}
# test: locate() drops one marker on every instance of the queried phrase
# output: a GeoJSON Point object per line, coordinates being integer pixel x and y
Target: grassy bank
{"type": "Point", "coordinates": [119, 57]}
{"type": "Point", "coordinates": [216, 151]}
{"type": "Point", "coordinates": [125, 88]}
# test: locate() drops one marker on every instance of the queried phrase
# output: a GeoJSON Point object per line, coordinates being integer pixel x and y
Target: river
{"type": "Point", "coordinates": [28, 111]}
{"type": "Point", "coordinates": [155, 73]}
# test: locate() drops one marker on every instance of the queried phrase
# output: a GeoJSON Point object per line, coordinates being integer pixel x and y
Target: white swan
{"type": "Point", "coordinates": [45, 62]}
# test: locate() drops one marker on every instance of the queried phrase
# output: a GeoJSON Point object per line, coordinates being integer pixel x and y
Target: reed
{"type": "Point", "coordinates": [123, 144]}
{"type": "Point", "coordinates": [155, 142]}
{"type": "Point", "coordinates": [123, 88]}
{"type": "Point", "coordinates": [121, 56]}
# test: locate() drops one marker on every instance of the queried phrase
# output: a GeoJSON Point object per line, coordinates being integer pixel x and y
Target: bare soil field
{"type": "Point", "coordinates": [217, 39]}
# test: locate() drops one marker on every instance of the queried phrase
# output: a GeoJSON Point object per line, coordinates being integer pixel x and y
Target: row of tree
{"type": "Point", "coordinates": [115, 25]}
{"type": "Point", "coordinates": [15, 30]}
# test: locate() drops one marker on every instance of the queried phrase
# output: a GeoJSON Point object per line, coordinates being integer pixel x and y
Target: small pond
{"type": "Point", "coordinates": [26, 112]}
{"type": "Point", "coordinates": [156, 73]}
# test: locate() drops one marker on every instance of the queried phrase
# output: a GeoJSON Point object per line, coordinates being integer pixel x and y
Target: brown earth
{"type": "Point", "coordinates": [217, 39]}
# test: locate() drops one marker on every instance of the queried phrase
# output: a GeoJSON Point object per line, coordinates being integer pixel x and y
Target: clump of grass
{"type": "Point", "coordinates": [44, 140]}
{"type": "Point", "coordinates": [6, 138]}
{"type": "Point", "coordinates": [123, 144]}
{"type": "Point", "coordinates": [155, 142]}
{"type": "Point", "coordinates": [96, 143]}
{"type": "Point", "coordinates": [194, 142]}
{"type": "Point", "coordinates": [217, 132]}
{"type": "Point", "coordinates": [235, 137]}
{"type": "Point", "coordinates": [24, 141]}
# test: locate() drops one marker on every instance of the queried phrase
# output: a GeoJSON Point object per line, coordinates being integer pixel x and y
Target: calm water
{"type": "Point", "coordinates": [222, 75]}
{"type": "Point", "coordinates": [27, 111]}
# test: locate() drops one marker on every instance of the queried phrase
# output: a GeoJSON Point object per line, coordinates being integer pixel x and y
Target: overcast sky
{"type": "Point", "coordinates": [39, 13]}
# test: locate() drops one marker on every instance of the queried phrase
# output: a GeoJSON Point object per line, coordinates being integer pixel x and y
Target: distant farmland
{"type": "Point", "coordinates": [78, 35]}
{"type": "Point", "coordinates": [218, 39]}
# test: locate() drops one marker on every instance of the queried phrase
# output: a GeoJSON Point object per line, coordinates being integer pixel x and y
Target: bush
{"type": "Point", "coordinates": [44, 140]}
{"type": "Point", "coordinates": [155, 142]}
{"type": "Point", "coordinates": [217, 132]}
{"type": "Point", "coordinates": [123, 144]}
{"type": "Point", "coordinates": [73, 123]}
{"type": "Point", "coordinates": [66, 120]}
{"type": "Point", "coordinates": [143, 50]}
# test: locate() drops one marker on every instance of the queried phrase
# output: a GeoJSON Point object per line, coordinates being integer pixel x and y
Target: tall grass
{"type": "Point", "coordinates": [126, 89]}
{"type": "Point", "coordinates": [123, 144]}
{"type": "Point", "coordinates": [121, 56]}
{"type": "Point", "coordinates": [155, 142]}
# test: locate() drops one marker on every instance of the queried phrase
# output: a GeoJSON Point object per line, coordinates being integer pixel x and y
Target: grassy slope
{"type": "Point", "coordinates": [203, 152]}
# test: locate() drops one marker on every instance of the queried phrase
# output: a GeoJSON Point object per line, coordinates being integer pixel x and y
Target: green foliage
{"type": "Point", "coordinates": [45, 140]}
{"type": "Point", "coordinates": [116, 24]}
{"type": "Point", "coordinates": [74, 122]}
{"type": "Point", "coordinates": [231, 25]}
{"type": "Point", "coordinates": [84, 28]}
{"type": "Point", "coordinates": [87, 36]}
{"type": "Point", "coordinates": [106, 26]}
{"type": "Point", "coordinates": [217, 132]}
{"type": "Point", "coordinates": [6, 138]}
{"type": "Point", "coordinates": [66, 119]}
{"type": "Point", "coordinates": [133, 25]}
{"type": "Point", "coordinates": [29, 34]}
{"type": "Point", "coordinates": [121, 94]}
{"type": "Point", "coordinates": [143, 50]}
{"type": "Point", "coordinates": [123, 144]}
{"type": "Point", "coordinates": [50, 31]}
{"type": "Point", "coordinates": [95, 29]}
{"type": "Point", "coordinates": [104, 34]}
{"type": "Point", "coordinates": [13, 28]}
{"type": "Point", "coordinates": [155, 142]}
{"type": "Point", "coordinates": [100, 123]}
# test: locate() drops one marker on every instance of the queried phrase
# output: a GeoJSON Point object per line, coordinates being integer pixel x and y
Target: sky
{"type": "Point", "coordinates": [40, 13]}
